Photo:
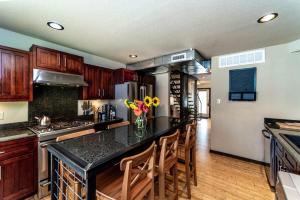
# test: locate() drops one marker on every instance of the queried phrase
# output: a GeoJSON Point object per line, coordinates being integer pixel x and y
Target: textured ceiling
{"type": "Point", "coordinates": [149, 28]}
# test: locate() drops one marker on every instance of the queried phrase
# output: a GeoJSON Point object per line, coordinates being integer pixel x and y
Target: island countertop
{"type": "Point", "coordinates": [94, 150]}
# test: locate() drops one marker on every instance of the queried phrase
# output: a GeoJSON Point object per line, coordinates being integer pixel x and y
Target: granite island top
{"type": "Point", "coordinates": [275, 131]}
{"type": "Point", "coordinates": [93, 150]}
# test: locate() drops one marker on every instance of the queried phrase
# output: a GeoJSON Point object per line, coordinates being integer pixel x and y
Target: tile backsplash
{"type": "Point", "coordinates": [54, 101]}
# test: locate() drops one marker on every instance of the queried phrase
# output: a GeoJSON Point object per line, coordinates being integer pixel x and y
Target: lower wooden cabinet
{"type": "Point", "coordinates": [18, 164]}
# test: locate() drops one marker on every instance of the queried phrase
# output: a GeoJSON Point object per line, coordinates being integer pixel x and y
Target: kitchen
{"type": "Point", "coordinates": [53, 87]}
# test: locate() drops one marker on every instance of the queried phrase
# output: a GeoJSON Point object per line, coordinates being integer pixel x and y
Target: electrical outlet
{"type": "Point", "coordinates": [1, 115]}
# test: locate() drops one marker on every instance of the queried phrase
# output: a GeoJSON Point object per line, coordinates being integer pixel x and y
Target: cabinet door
{"type": "Point", "coordinates": [72, 64]}
{"type": "Point", "coordinates": [98, 83]}
{"type": "Point", "coordinates": [107, 84]}
{"type": "Point", "coordinates": [14, 75]}
{"type": "Point", "coordinates": [17, 178]}
{"type": "Point", "coordinates": [48, 59]}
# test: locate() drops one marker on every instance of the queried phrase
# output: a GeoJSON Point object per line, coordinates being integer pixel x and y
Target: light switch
{"type": "Point", "coordinates": [218, 101]}
{"type": "Point", "coordinates": [1, 115]}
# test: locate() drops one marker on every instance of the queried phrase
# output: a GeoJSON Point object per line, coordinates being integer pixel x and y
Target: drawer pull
{"type": "Point", "coordinates": [2, 152]}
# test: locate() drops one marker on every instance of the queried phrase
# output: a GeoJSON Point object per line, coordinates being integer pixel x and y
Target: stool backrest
{"type": "Point", "coordinates": [190, 137]}
{"type": "Point", "coordinates": [116, 125]}
{"type": "Point", "coordinates": [168, 149]}
{"type": "Point", "coordinates": [138, 173]}
{"type": "Point", "coordinates": [75, 135]}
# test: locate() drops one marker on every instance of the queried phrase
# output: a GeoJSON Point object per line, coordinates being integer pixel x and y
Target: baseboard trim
{"type": "Point", "coordinates": [237, 157]}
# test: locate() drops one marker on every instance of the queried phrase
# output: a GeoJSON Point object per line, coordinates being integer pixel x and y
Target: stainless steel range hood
{"type": "Point", "coordinates": [188, 61]}
{"type": "Point", "coordinates": [46, 77]}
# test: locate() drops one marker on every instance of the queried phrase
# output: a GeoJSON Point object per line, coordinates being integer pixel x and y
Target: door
{"type": "Point", "coordinates": [204, 102]}
{"type": "Point", "coordinates": [17, 178]}
{"type": "Point", "coordinates": [48, 59]}
{"type": "Point", "coordinates": [14, 75]}
{"type": "Point", "coordinates": [72, 64]}
{"type": "Point", "coordinates": [107, 84]}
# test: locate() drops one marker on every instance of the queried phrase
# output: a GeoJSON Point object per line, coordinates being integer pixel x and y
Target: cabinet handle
{"type": "Point", "coordinates": [2, 152]}
{"type": "Point", "coordinates": [0, 173]}
{"type": "Point", "coordinates": [103, 92]}
{"type": "Point", "coordinates": [99, 93]}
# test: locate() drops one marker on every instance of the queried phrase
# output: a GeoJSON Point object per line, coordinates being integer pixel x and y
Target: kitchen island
{"type": "Point", "coordinates": [88, 155]}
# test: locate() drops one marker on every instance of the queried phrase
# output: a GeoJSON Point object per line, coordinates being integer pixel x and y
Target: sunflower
{"type": "Point", "coordinates": [156, 101]}
{"type": "Point", "coordinates": [126, 102]}
{"type": "Point", "coordinates": [148, 101]}
{"type": "Point", "coordinates": [133, 106]}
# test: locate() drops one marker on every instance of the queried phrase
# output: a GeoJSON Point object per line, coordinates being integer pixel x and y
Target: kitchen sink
{"type": "Point", "coordinates": [293, 140]}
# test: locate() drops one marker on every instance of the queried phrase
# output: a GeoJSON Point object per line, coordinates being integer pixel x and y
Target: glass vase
{"type": "Point", "coordinates": [141, 121]}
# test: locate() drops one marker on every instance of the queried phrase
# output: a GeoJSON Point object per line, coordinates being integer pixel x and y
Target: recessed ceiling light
{"type": "Point", "coordinates": [267, 18]}
{"type": "Point", "coordinates": [133, 56]}
{"type": "Point", "coordinates": [55, 25]}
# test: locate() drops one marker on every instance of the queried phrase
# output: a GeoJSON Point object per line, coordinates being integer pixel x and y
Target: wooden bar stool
{"type": "Point", "coordinates": [134, 180]}
{"type": "Point", "coordinates": [116, 125]}
{"type": "Point", "coordinates": [188, 149]}
{"type": "Point", "coordinates": [168, 162]}
{"type": "Point", "coordinates": [67, 175]}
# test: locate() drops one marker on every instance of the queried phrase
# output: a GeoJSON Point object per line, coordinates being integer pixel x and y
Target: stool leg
{"type": "Point", "coordinates": [188, 174]}
{"type": "Point", "coordinates": [194, 165]}
{"type": "Point", "coordinates": [175, 176]}
{"type": "Point", "coordinates": [161, 186]}
{"type": "Point", "coordinates": [77, 190]}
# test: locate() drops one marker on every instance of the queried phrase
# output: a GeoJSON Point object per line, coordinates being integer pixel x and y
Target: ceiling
{"type": "Point", "coordinates": [149, 28]}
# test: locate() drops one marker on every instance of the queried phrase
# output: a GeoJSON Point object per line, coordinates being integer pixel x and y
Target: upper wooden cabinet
{"type": "Point", "coordinates": [100, 82]}
{"type": "Point", "coordinates": [49, 59]}
{"type": "Point", "coordinates": [14, 74]}
{"type": "Point", "coordinates": [125, 75]}
{"type": "Point", "coordinates": [72, 64]}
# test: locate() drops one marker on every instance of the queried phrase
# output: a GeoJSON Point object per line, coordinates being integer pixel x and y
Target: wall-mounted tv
{"type": "Point", "coordinates": [242, 84]}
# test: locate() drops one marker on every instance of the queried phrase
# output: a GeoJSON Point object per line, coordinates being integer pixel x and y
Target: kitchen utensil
{"type": "Point", "coordinates": [44, 120]}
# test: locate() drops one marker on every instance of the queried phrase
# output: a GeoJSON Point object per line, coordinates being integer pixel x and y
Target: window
{"type": "Point", "coordinates": [242, 58]}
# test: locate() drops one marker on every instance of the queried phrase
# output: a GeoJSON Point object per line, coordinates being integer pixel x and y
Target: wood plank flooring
{"type": "Point", "coordinates": [224, 178]}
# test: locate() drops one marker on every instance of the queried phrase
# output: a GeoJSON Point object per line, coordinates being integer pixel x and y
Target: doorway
{"type": "Point", "coordinates": [204, 102]}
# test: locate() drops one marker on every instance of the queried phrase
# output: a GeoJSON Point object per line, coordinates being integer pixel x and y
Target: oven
{"type": "Point", "coordinates": [269, 156]}
{"type": "Point", "coordinates": [44, 168]}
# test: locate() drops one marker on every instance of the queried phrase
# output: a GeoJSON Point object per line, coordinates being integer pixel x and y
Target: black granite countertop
{"type": "Point", "coordinates": [94, 150]}
{"type": "Point", "coordinates": [14, 131]}
{"type": "Point", "coordinates": [271, 125]}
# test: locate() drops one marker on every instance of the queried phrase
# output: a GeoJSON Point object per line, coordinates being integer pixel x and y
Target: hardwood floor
{"type": "Point", "coordinates": [221, 177]}
{"type": "Point", "coordinates": [224, 178]}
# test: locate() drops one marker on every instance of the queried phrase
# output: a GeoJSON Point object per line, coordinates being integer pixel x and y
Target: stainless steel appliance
{"type": "Point", "coordinates": [287, 186]}
{"type": "Point", "coordinates": [128, 90]}
{"type": "Point", "coordinates": [269, 160]}
{"type": "Point", "coordinates": [47, 135]}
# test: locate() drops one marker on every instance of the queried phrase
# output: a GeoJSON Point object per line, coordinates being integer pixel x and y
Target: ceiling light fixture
{"type": "Point", "coordinates": [267, 18]}
{"type": "Point", "coordinates": [55, 25]}
{"type": "Point", "coordinates": [133, 56]}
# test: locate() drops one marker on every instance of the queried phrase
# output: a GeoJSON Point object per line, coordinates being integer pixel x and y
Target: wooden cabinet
{"type": "Point", "coordinates": [18, 165]}
{"type": "Point", "coordinates": [125, 75]}
{"type": "Point", "coordinates": [49, 59]}
{"type": "Point", "coordinates": [72, 64]}
{"type": "Point", "coordinates": [108, 89]}
{"type": "Point", "coordinates": [14, 74]}
{"type": "Point", "coordinates": [100, 82]}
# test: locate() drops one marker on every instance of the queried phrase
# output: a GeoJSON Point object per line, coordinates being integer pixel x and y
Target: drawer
{"type": "Point", "coordinates": [16, 148]}
{"type": "Point", "coordinates": [290, 162]}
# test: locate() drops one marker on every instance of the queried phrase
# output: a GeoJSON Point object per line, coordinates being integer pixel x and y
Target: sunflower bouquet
{"type": "Point", "coordinates": [141, 108]}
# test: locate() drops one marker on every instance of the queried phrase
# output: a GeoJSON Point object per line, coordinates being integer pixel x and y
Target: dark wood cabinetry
{"type": "Point", "coordinates": [14, 74]}
{"type": "Point", "coordinates": [18, 165]}
{"type": "Point", "coordinates": [100, 80]}
{"type": "Point", "coordinates": [125, 75]}
{"type": "Point", "coordinates": [49, 59]}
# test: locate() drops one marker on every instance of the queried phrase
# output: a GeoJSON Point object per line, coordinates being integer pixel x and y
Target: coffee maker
{"type": "Point", "coordinates": [108, 112]}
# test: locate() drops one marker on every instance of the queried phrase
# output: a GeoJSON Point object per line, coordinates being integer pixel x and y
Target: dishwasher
{"type": "Point", "coordinates": [269, 156]}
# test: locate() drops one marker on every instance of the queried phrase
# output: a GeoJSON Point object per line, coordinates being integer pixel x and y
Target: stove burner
{"type": "Point", "coordinates": [60, 126]}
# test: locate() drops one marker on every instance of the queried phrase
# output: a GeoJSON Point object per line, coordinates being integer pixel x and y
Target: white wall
{"type": "Point", "coordinates": [18, 111]}
{"type": "Point", "coordinates": [162, 92]}
{"type": "Point", "coordinates": [236, 126]}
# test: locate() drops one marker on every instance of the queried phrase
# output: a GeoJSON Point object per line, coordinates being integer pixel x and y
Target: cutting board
{"type": "Point", "coordinates": [289, 126]}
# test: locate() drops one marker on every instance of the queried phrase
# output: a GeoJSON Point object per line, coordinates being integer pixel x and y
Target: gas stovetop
{"type": "Point", "coordinates": [59, 128]}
